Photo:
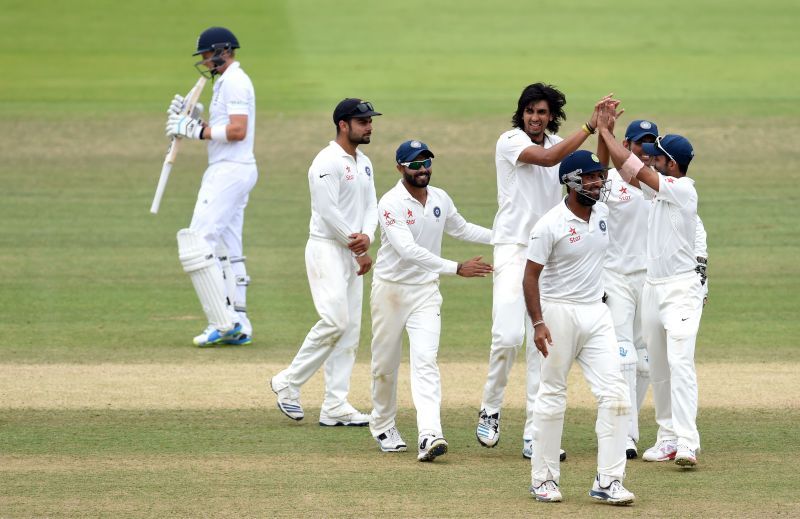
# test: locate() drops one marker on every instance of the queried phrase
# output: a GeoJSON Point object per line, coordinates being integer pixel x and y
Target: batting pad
{"type": "Point", "coordinates": [199, 262]}
{"type": "Point", "coordinates": [227, 273]}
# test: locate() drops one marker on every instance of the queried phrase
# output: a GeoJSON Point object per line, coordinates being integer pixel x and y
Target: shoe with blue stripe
{"type": "Point", "coordinates": [488, 430]}
{"type": "Point", "coordinates": [613, 494]}
{"type": "Point", "coordinates": [240, 339]}
{"type": "Point", "coordinates": [212, 336]}
{"type": "Point", "coordinates": [289, 406]}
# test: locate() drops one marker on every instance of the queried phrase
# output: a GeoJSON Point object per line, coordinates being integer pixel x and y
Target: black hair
{"type": "Point", "coordinates": [541, 92]}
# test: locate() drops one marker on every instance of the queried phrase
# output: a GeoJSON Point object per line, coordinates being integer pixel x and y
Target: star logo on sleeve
{"type": "Point", "coordinates": [572, 231]}
{"type": "Point", "coordinates": [623, 190]}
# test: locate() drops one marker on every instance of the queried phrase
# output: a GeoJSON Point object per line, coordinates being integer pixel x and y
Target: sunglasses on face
{"type": "Point", "coordinates": [658, 145]}
{"type": "Point", "coordinates": [418, 164]}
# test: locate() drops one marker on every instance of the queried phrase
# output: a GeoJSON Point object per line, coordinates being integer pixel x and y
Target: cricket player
{"type": "Point", "coordinates": [672, 299]}
{"type": "Point", "coordinates": [211, 248]}
{"type": "Point", "coordinates": [526, 159]}
{"type": "Point", "coordinates": [624, 272]}
{"type": "Point", "coordinates": [343, 221]}
{"type": "Point", "coordinates": [405, 295]}
{"type": "Point", "coordinates": [563, 293]}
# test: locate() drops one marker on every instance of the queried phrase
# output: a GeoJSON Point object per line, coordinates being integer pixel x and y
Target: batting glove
{"type": "Point", "coordinates": [702, 266]}
{"type": "Point", "coordinates": [176, 107]}
{"type": "Point", "coordinates": [184, 126]}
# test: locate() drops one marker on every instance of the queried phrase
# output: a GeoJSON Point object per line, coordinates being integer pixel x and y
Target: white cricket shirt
{"type": "Point", "coordinates": [411, 235]}
{"type": "Point", "coordinates": [524, 191]}
{"type": "Point", "coordinates": [233, 94]}
{"type": "Point", "coordinates": [672, 227]}
{"type": "Point", "coordinates": [572, 252]}
{"type": "Point", "coordinates": [700, 244]}
{"type": "Point", "coordinates": [343, 199]}
{"type": "Point", "coordinates": [627, 219]}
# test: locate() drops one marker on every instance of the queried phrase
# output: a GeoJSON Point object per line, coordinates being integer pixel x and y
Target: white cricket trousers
{"type": "Point", "coordinates": [417, 309]}
{"type": "Point", "coordinates": [510, 325]}
{"type": "Point", "coordinates": [582, 332]}
{"type": "Point", "coordinates": [624, 293]}
{"type": "Point", "coordinates": [337, 293]}
{"type": "Point", "coordinates": [672, 308]}
{"type": "Point", "coordinates": [219, 216]}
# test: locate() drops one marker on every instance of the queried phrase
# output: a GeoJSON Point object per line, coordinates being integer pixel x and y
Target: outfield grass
{"type": "Point", "coordinates": [90, 279]}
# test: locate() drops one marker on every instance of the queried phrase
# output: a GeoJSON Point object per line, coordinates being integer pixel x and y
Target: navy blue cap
{"type": "Point", "coordinates": [580, 162]}
{"type": "Point", "coordinates": [673, 145]}
{"type": "Point", "coordinates": [353, 107]}
{"type": "Point", "coordinates": [409, 151]}
{"type": "Point", "coordinates": [639, 129]}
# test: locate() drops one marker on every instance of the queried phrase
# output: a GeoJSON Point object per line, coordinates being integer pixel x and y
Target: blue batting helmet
{"type": "Point", "coordinates": [216, 38]}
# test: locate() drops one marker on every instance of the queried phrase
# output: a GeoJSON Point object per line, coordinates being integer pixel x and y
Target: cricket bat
{"type": "Point", "coordinates": [190, 101]}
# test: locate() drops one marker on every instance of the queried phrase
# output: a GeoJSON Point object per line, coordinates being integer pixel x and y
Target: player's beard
{"type": "Point", "coordinates": [417, 180]}
{"type": "Point", "coordinates": [362, 139]}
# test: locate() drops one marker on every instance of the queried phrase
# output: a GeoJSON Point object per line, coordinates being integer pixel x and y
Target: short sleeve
{"type": "Point", "coordinates": [540, 244]}
{"type": "Point", "coordinates": [238, 97]}
{"type": "Point", "coordinates": [511, 146]}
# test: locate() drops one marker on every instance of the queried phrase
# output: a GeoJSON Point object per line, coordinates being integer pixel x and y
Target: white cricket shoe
{"type": "Point", "coordinates": [613, 494]}
{"type": "Point", "coordinates": [664, 450]}
{"type": "Point", "coordinates": [685, 457]}
{"type": "Point", "coordinates": [212, 336]}
{"type": "Point", "coordinates": [289, 406]}
{"type": "Point", "coordinates": [390, 441]}
{"type": "Point", "coordinates": [527, 450]}
{"type": "Point", "coordinates": [631, 452]}
{"type": "Point", "coordinates": [431, 447]}
{"type": "Point", "coordinates": [488, 431]}
{"type": "Point", "coordinates": [345, 415]}
{"type": "Point", "coordinates": [547, 492]}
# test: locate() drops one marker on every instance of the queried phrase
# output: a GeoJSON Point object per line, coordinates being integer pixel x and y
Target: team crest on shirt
{"type": "Point", "coordinates": [368, 171]}
{"type": "Point", "coordinates": [602, 225]}
{"type": "Point", "coordinates": [437, 212]}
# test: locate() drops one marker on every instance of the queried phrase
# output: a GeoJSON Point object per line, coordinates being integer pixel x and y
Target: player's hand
{"type": "Point", "coordinates": [542, 339]}
{"type": "Point", "coordinates": [474, 268]}
{"type": "Point", "coordinates": [176, 107]}
{"type": "Point", "coordinates": [359, 243]}
{"type": "Point", "coordinates": [364, 264]}
{"type": "Point", "coordinates": [596, 112]}
{"type": "Point", "coordinates": [183, 126]}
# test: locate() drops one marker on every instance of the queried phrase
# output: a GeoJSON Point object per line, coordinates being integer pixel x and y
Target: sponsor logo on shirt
{"type": "Point", "coordinates": [387, 216]}
{"type": "Point", "coordinates": [623, 194]}
{"type": "Point", "coordinates": [410, 218]}
{"type": "Point", "coordinates": [671, 180]}
{"type": "Point", "coordinates": [348, 176]}
{"type": "Point", "coordinates": [573, 235]}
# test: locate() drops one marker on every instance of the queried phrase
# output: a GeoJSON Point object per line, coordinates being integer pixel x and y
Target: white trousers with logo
{"type": "Point", "coordinates": [415, 309]}
{"type": "Point", "coordinates": [219, 217]}
{"type": "Point", "coordinates": [510, 326]}
{"type": "Point", "coordinates": [585, 333]}
{"type": "Point", "coordinates": [672, 308]}
{"type": "Point", "coordinates": [337, 292]}
{"type": "Point", "coordinates": [624, 293]}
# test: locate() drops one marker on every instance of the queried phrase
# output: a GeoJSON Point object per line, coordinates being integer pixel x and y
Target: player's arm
{"type": "Point", "coordinates": [458, 227]}
{"type": "Point", "coordinates": [323, 181]}
{"type": "Point", "coordinates": [540, 156]}
{"type": "Point", "coordinates": [530, 288]}
{"type": "Point", "coordinates": [628, 164]}
{"type": "Point", "coordinates": [360, 241]}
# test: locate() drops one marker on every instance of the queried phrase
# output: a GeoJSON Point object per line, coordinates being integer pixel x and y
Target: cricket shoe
{"type": "Point", "coordinates": [211, 335]}
{"type": "Point", "coordinates": [631, 452]}
{"type": "Point", "coordinates": [390, 441]}
{"type": "Point", "coordinates": [488, 431]}
{"type": "Point", "coordinates": [547, 492]}
{"type": "Point", "coordinates": [289, 406]}
{"type": "Point", "coordinates": [240, 339]}
{"type": "Point", "coordinates": [664, 450]}
{"type": "Point", "coordinates": [527, 450]}
{"type": "Point", "coordinates": [345, 415]}
{"type": "Point", "coordinates": [613, 494]}
{"type": "Point", "coordinates": [685, 457]}
{"type": "Point", "coordinates": [431, 447]}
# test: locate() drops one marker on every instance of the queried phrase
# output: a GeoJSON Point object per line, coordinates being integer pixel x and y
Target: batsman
{"type": "Point", "coordinates": [210, 249]}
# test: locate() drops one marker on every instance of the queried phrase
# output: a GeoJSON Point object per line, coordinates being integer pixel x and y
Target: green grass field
{"type": "Point", "coordinates": [107, 410]}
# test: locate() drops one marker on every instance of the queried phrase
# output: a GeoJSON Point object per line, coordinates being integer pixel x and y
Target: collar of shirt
{"type": "Point", "coordinates": [403, 193]}
{"type": "Point", "coordinates": [233, 66]}
{"type": "Point", "coordinates": [569, 215]}
{"type": "Point", "coordinates": [336, 145]}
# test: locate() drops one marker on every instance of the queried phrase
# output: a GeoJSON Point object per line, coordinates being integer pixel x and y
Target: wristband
{"type": "Point", "coordinates": [537, 323]}
{"type": "Point", "coordinates": [361, 255]}
{"type": "Point", "coordinates": [585, 128]}
{"type": "Point", "coordinates": [630, 168]}
{"type": "Point", "coordinates": [591, 129]}
{"type": "Point", "coordinates": [219, 133]}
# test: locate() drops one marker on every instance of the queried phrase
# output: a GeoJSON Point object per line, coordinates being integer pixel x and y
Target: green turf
{"type": "Point", "coordinates": [87, 275]}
